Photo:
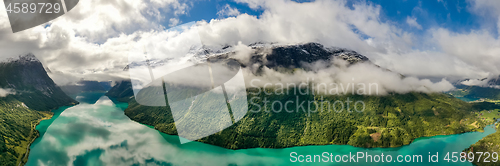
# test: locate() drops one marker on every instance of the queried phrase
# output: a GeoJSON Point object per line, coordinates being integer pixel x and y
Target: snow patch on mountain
{"type": "Point", "coordinates": [26, 58]}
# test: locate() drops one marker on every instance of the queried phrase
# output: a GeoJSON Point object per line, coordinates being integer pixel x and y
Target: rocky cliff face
{"type": "Point", "coordinates": [27, 76]}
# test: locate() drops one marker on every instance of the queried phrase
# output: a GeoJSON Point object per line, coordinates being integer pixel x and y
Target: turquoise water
{"type": "Point", "coordinates": [99, 133]}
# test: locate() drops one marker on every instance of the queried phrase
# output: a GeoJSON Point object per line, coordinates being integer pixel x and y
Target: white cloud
{"type": "Point", "coordinates": [338, 73]}
{"type": "Point", "coordinates": [477, 48]}
{"type": "Point", "coordinates": [95, 44]}
{"type": "Point", "coordinates": [92, 40]}
{"type": "Point", "coordinates": [174, 22]}
{"type": "Point", "coordinates": [5, 92]}
{"type": "Point", "coordinates": [412, 21]}
{"type": "Point", "coordinates": [444, 3]}
{"type": "Point", "coordinates": [228, 11]}
{"type": "Point", "coordinates": [490, 9]}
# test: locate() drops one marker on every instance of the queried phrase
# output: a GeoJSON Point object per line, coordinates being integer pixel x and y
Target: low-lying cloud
{"type": "Point", "coordinates": [5, 92]}
{"type": "Point", "coordinates": [338, 77]}
{"type": "Point", "coordinates": [94, 39]}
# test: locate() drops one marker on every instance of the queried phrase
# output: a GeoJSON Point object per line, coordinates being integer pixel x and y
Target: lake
{"type": "Point", "coordinates": [97, 132]}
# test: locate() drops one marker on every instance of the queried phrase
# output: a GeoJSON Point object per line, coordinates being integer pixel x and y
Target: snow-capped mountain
{"type": "Point", "coordinates": [28, 58]}
{"type": "Point", "coordinates": [271, 55]}
{"type": "Point", "coordinates": [28, 77]}
{"type": "Point", "coordinates": [293, 56]}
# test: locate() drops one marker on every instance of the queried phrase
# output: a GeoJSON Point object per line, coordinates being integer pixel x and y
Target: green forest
{"type": "Point", "coordinates": [35, 95]}
{"type": "Point", "coordinates": [388, 121]}
{"type": "Point", "coordinates": [17, 129]}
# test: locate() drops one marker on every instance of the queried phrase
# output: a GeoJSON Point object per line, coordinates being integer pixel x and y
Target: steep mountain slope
{"type": "Point", "coordinates": [34, 95]}
{"type": "Point", "coordinates": [122, 91]}
{"type": "Point", "coordinates": [388, 121]}
{"type": "Point", "coordinates": [27, 76]}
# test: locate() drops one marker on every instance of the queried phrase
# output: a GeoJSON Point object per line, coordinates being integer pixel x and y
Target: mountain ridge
{"type": "Point", "coordinates": [35, 95]}
{"type": "Point", "coordinates": [30, 80]}
{"type": "Point", "coordinates": [397, 118]}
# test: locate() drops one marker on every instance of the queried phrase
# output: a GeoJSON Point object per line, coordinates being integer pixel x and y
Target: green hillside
{"type": "Point", "coordinates": [388, 121]}
{"type": "Point", "coordinates": [35, 95]}
{"type": "Point", "coordinates": [490, 143]}
{"type": "Point", "coordinates": [17, 130]}
{"type": "Point", "coordinates": [122, 91]}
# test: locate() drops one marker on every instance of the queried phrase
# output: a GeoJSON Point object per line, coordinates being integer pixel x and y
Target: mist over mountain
{"type": "Point", "coordinates": [86, 86]}
{"type": "Point", "coordinates": [315, 63]}
{"type": "Point", "coordinates": [403, 103]}
{"type": "Point", "coordinates": [494, 81]}
{"type": "Point", "coordinates": [288, 56]}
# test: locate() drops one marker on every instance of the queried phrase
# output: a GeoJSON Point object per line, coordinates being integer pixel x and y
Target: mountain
{"type": "Point", "coordinates": [27, 76]}
{"type": "Point", "coordinates": [122, 91]}
{"type": "Point", "coordinates": [494, 81]}
{"type": "Point", "coordinates": [388, 121]}
{"type": "Point", "coordinates": [86, 86]}
{"type": "Point", "coordinates": [285, 57]}
{"type": "Point", "coordinates": [33, 95]}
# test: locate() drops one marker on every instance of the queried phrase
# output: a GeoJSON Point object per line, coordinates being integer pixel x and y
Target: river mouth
{"type": "Point", "coordinates": [98, 133]}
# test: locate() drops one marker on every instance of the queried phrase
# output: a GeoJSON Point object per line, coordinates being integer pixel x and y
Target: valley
{"type": "Point", "coordinates": [391, 120]}
{"type": "Point", "coordinates": [33, 96]}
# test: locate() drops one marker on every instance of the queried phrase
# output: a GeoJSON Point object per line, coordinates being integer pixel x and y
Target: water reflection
{"type": "Point", "coordinates": [100, 134]}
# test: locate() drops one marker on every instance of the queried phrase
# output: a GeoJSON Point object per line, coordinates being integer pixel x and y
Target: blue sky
{"type": "Point", "coordinates": [450, 14]}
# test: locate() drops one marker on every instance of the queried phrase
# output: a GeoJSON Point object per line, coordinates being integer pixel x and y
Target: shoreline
{"type": "Point", "coordinates": [34, 135]}
{"type": "Point", "coordinates": [479, 129]}
{"type": "Point", "coordinates": [48, 115]}
{"type": "Point", "coordinates": [476, 129]}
